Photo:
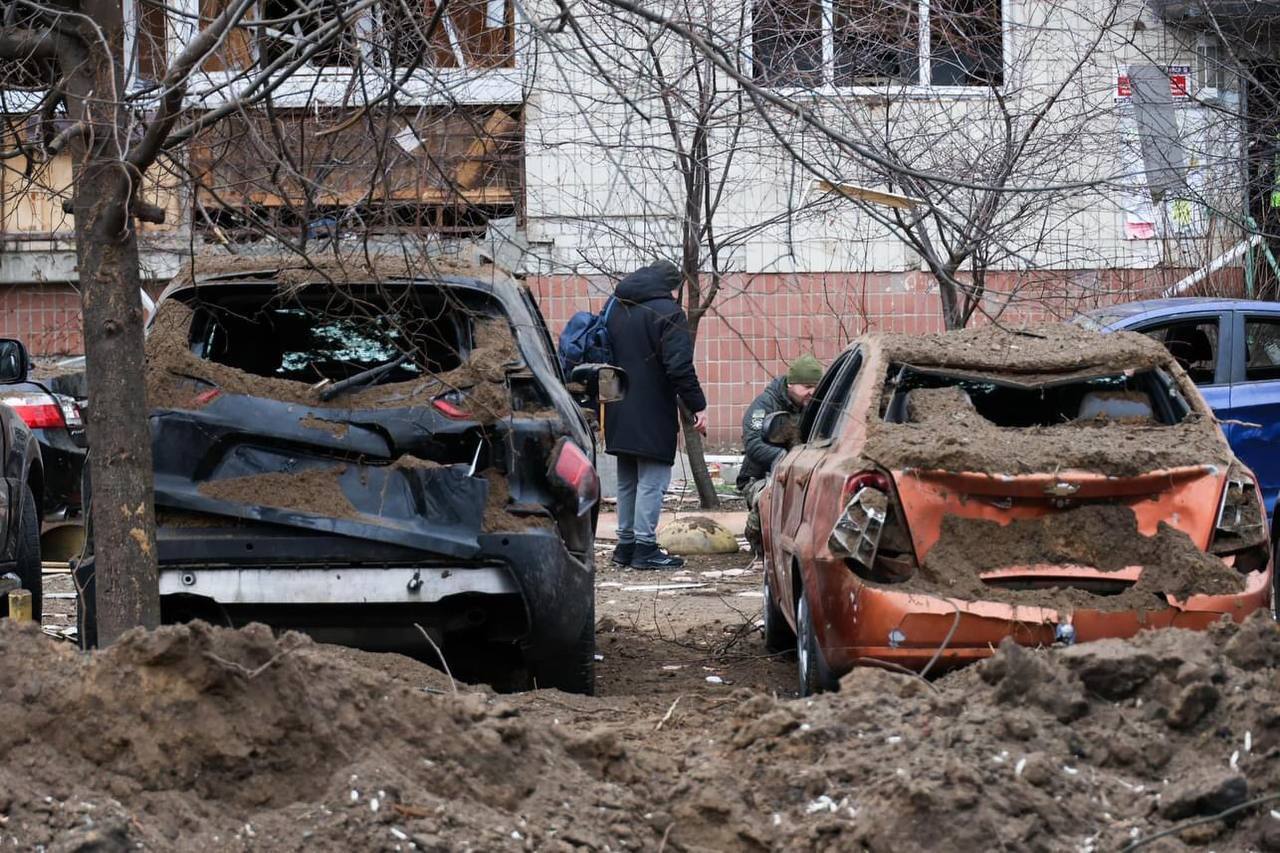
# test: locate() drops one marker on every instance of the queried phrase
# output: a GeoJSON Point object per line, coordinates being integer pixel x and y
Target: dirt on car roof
{"type": "Point", "coordinates": [945, 433]}
{"type": "Point", "coordinates": [1062, 348]}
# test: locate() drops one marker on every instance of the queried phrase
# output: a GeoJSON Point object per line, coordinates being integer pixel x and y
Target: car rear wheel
{"type": "Point", "coordinates": [778, 636]}
{"type": "Point", "coordinates": [573, 670]}
{"type": "Point", "coordinates": [27, 556]}
{"type": "Point", "coordinates": [815, 675]}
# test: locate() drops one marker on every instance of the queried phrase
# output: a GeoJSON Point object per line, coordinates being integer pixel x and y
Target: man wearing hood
{"type": "Point", "coordinates": [651, 342]}
{"type": "Point", "coordinates": [787, 393]}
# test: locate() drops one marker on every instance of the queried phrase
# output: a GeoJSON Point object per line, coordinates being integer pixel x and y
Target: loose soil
{"type": "Point", "coordinates": [315, 490]}
{"type": "Point", "coordinates": [203, 738]}
{"type": "Point", "coordinates": [945, 432]}
{"type": "Point", "coordinates": [1103, 537]}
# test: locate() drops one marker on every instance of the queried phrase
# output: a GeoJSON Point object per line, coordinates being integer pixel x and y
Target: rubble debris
{"type": "Point", "coordinates": [314, 490]}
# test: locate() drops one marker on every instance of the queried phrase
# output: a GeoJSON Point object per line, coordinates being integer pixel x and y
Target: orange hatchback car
{"type": "Point", "coordinates": [944, 492]}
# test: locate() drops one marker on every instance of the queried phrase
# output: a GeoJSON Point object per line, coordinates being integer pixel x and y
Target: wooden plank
{"type": "Point", "coordinates": [857, 193]}
{"type": "Point", "coordinates": [476, 163]}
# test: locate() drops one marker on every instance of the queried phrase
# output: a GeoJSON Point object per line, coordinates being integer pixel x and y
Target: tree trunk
{"type": "Point", "coordinates": [693, 445]}
{"type": "Point", "coordinates": [119, 437]}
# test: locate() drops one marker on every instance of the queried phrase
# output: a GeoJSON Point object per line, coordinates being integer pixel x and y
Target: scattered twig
{"type": "Point", "coordinates": [662, 845]}
{"type": "Point", "coordinates": [243, 670]}
{"type": "Point", "coordinates": [1173, 830]}
{"type": "Point", "coordinates": [667, 716]}
{"type": "Point", "coordinates": [946, 641]}
{"type": "Point", "coordinates": [440, 655]}
{"type": "Point", "coordinates": [410, 811]}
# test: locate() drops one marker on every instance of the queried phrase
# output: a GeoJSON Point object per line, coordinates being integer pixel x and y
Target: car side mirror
{"type": "Point", "coordinates": [779, 429]}
{"type": "Point", "coordinates": [13, 361]}
{"type": "Point", "coordinates": [602, 382]}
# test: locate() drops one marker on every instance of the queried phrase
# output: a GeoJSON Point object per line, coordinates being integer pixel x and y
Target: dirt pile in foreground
{"type": "Point", "coordinates": [201, 738]}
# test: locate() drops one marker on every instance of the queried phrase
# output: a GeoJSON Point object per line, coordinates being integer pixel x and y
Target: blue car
{"type": "Point", "coordinates": [1231, 349]}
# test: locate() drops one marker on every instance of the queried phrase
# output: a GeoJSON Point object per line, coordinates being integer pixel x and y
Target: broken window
{"type": "Point", "coordinates": [923, 396]}
{"type": "Point", "coordinates": [476, 34]}
{"type": "Point", "coordinates": [787, 38]}
{"type": "Point", "coordinates": [849, 43]}
{"type": "Point", "coordinates": [335, 337]}
{"type": "Point", "coordinates": [292, 27]}
{"type": "Point", "coordinates": [1194, 343]}
{"type": "Point", "coordinates": [1262, 350]}
{"type": "Point", "coordinates": [150, 35]}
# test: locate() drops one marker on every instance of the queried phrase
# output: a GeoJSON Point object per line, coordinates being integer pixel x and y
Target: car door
{"type": "Point", "coordinates": [817, 432]}
{"type": "Point", "coordinates": [1253, 427]}
{"type": "Point", "coordinates": [1202, 343]}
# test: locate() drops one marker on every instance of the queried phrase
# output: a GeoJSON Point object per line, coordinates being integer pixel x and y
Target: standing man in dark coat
{"type": "Point", "coordinates": [651, 342]}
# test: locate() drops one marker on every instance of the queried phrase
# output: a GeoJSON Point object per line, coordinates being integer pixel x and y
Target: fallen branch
{"type": "Point", "coordinates": [1143, 842]}
{"type": "Point", "coordinates": [241, 669]}
{"type": "Point", "coordinates": [667, 716]}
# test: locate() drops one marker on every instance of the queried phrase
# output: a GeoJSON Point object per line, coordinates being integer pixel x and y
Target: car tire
{"type": "Point", "coordinates": [815, 675]}
{"type": "Point", "coordinates": [778, 636]}
{"type": "Point", "coordinates": [574, 669]}
{"type": "Point", "coordinates": [27, 554]}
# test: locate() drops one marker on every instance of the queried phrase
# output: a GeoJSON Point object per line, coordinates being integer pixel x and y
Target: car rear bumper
{"type": "Point", "coordinates": [872, 624]}
{"type": "Point", "coordinates": [283, 577]}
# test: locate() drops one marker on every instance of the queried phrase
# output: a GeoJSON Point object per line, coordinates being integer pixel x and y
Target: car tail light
{"type": "Point", "coordinates": [70, 412]}
{"type": "Point", "coordinates": [38, 411]}
{"type": "Point", "coordinates": [868, 523]}
{"type": "Point", "coordinates": [863, 479]}
{"type": "Point", "coordinates": [1241, 530]}
{"type": "Point", "coordinates": [572, 470]}
{"type": "Point", "coordinates": [447, 405]}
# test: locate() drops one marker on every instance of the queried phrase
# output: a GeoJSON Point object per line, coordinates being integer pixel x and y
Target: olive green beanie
{"type": "Point", "coordinates": [805, 370]}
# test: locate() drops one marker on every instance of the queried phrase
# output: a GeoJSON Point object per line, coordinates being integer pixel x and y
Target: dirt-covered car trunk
{"type": "Point", "coordinates": [1039, 476]}
{"type": "Point", "coordinates": [357, 458]}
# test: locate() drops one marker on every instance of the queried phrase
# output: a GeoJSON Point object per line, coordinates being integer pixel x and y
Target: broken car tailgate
{"type": "Point", "coordinates": [327, 470]}
{"type": "Point", "coordinates": [1185, 498]}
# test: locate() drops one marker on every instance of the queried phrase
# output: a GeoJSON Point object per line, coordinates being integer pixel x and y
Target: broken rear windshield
{"type": "Point", "coordinates": [313, 336]}
{"type": "Point", "coordinates": [920, 395]}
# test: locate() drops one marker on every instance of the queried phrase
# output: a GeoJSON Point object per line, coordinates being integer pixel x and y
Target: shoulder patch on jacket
{"type": "Point", "coordinates": [757, 418]}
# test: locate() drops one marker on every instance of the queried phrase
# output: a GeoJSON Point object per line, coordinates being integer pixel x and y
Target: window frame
{"type": "Point", "coordinates": [1240, 363]}
{"type": "Point", "coordinates": [1224, 369]}
{"type": "Point", "coordinates": [916, 90]}
{"type": "Point", "coordinates": [334, 85]}
{"type": "Point", "coordinates": [848, 365]}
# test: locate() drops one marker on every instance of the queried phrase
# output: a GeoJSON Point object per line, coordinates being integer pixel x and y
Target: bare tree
{"type": "Point", "coordinates": [104, 82]}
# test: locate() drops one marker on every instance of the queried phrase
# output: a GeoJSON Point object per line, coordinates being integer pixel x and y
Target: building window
{"type": "Point", "coordinates": [858, 43]}
{"type": "Point", "coordinates": [476, 34]}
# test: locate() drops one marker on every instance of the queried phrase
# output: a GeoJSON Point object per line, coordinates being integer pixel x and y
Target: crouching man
{"type": "Point", "coordinates": [787, 393]}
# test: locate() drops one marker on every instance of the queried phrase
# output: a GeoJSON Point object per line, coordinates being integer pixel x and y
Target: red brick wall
{"type": "Point", "coordinates": [45, 317]}
{"type": "Point", "coordinates": [761, 322]}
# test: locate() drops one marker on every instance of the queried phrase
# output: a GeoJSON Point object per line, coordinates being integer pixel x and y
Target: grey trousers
{"type": "Point", "coordinates": [641, 484]}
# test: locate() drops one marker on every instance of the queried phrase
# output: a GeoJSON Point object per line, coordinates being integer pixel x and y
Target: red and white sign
{"type": "Point", "coordinates": [1179, 84]}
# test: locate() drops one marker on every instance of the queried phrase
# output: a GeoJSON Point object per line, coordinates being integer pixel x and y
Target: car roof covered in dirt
{"type": "Point", "coordinates": [1050, 349]}
{"type": "Point", "coordinates": [296, 271]}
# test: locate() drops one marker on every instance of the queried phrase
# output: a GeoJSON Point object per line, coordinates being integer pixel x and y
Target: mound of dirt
{"type": "Point", "coordinates": [944, 431]}
{"type": "Point", "coordinates": [315, 490]}
{"type": "Point", "coordinates": [1103, 537]}
{"type": "Point", "coordinates": [202, 738]}
{"type": "Point", "coordinates": [195, 737]}
{"type": "Point", "coordinates": [1063, 348]}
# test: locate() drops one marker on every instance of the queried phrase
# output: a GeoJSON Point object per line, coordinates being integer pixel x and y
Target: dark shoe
{"type": "Point", "coordinates": [623, 553]}
{"type": "Point", "coordinates": [650, 556]}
